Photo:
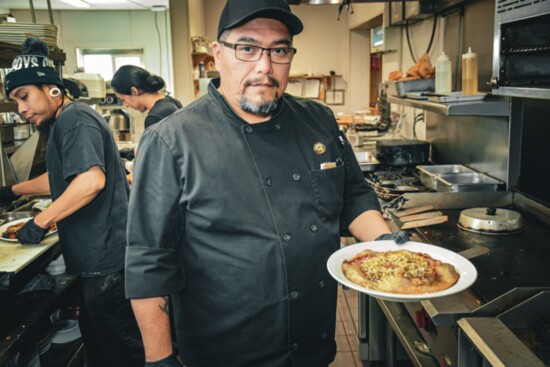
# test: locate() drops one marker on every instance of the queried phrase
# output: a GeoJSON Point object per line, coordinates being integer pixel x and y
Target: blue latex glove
{"type": "Point", "coordinates": [170, 361]}
{"type": "Point", "coordinates": [31, 233]}
{"type": "Point", "coordinates": [399, 237]}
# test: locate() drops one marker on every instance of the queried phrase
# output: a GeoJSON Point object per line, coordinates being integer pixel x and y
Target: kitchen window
{"type": "Point", "coordinates": [106, 61]}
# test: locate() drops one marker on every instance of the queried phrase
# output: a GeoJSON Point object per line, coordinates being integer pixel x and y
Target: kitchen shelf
{"type": "Point", "coordinates": [7, 54]}
{"type": "Point", "coordinates": [476, 108]}
{"type": "Point", "coordinates": [8, 107]}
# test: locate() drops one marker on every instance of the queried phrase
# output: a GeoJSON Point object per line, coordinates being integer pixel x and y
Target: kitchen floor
{"type": "Point", "coordinates": [346, 330]}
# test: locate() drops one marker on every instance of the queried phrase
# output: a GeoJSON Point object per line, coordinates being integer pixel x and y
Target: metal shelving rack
{"type": "Point", "coordinates": [489, 107]}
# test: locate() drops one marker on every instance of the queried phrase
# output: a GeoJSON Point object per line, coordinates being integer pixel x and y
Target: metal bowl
{"type": "Point", "coordinates": [11, 216]}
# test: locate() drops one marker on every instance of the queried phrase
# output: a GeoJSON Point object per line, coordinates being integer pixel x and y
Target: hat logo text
{"type": "Point", "coordinates": [29, 61]}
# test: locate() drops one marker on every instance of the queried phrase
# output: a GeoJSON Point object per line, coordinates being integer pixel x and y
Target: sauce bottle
{"type": "Point", "coordinates": [469, 73]}
{"type": "Point", "coordinates": [443, 75]}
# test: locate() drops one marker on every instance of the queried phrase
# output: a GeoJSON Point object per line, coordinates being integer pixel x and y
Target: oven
{"type": "Point", "coordinates": [521, 49]}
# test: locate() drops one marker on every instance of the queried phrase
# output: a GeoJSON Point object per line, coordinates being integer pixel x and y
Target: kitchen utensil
{"type": "Point", "coordinates": [12, 216]}
{"type": "Point", "coordinates": [402, 152]}
{"type": "Point", "coordinates": [21, 131]}
{"type": "Point", "coordinates": [118, 120]}
{"type": "Point", "coordinates": [367, 161]}
{"type": "Point", "coordinates": [401, 88]}
{"type": "Point", "coordinates": [491, 221]}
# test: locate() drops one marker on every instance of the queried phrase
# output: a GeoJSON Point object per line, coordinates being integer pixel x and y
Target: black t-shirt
{"type": "Point", "coordinates": [162, 108]}
{"type": "Point", "coordinates": [93, 239]}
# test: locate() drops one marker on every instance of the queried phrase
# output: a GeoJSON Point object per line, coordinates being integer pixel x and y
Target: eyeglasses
{"type": "Point", "coordinates": [249, 53]}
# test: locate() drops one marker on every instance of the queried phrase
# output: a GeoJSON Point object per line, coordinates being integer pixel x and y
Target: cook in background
{"type": "Point", "coordinates": [90, 202]}
{"type": "Point", "coordinates": [141, 90]}
{"type": "Point", "coordinates": [238, 201]}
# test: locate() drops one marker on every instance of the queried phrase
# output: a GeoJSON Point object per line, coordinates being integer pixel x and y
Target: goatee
{"type": "Point", "coordinates": [46, 125]}
{"type": "Point", "coordinates": [260, 108]}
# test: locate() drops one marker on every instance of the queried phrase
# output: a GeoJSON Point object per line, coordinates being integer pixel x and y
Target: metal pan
{"type": "Point", "coordinates": [11, 216]}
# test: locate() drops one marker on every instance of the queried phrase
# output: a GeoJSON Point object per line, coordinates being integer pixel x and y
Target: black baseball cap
{"type": "Point", "coordinates": [237, 12]}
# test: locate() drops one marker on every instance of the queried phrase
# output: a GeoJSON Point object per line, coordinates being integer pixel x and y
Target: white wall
{"type": "Point", "coordinates": [111, 29]}
{"type": "Point", "coordinates": [322, 46]}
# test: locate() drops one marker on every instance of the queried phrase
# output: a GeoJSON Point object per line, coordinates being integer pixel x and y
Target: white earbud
{"type": "Point", "coordinates": [55, 92]}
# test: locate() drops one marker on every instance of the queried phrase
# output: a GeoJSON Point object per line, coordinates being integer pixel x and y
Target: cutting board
{"type": "Point", "coordinates": [14, 256]}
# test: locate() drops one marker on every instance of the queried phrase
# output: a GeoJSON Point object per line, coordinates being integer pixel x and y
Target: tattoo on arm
{"type": "Point", "coordinates": [166, 307]}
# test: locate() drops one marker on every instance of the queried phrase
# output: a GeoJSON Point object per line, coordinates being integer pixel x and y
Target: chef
{"type": "Point", "coordinates": [89, 204]}
{"type": "Point", "coordinates": [238, 200]}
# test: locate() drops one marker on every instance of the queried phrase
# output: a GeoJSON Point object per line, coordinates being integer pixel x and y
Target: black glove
{"type": "Point", "coordinates": [399, 237]}
{"type": "Point", "coordinates": [7, 195]}
{"type": "Point", "coordinates": [127, 153]}
{"type": "Point", "coordinates": [170, 361]}
{"type": "Point", "coordinates": [31, 233]}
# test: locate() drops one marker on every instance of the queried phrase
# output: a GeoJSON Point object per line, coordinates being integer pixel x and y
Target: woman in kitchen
{"type": "Point", "coordinates": [141, 90]}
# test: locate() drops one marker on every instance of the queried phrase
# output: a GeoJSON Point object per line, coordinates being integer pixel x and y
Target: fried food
{"type": "Point", "coordinates": [401, 272]}
{"type": "Point", "coordinates": [423, 69]}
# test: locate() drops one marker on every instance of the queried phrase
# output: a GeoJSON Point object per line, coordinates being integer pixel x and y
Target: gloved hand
{"type": "Point", "coordinates": [399, 237]}
{"type": "Point", "coordinates": [170, 361]}
{"type": "Point", "coordinates": [31, 233]}
{"type": "Point", "coordinates": [7, 195]}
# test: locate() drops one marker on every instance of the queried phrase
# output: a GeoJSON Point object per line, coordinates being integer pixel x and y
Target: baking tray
{"type": "Point", "coordinates": [401, 88]}
{"type": "Point", "coordinates": [456, 97]}
{"type": "Point", "coordinates": [459, 182]}
{"type": "Point", "coordinates": [428, 173]}
{"type": "Point", "coordinates": [367, 161]}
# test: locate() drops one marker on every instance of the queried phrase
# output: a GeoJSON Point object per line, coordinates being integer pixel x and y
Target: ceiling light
{"type": "Point", "coordinates": [159, 8]}
{"type": "Point", "coordinates": [106, 1]}
{"type": "Point", "coordinates": [323, 2]}
{"type": "Point", "coordinates": [77, 3]}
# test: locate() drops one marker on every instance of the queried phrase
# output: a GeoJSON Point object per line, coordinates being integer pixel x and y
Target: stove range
{"type": "Point", "coordinates": [458, 330]}
{"type": "Point", "coordinates": [391, 182]}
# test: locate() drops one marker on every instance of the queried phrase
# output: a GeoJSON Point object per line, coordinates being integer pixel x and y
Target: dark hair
{"type": "Point", "coordinates": [129, 76]}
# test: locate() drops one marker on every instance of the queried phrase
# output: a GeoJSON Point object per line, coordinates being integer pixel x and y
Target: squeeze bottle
{"type": "Point", "coordinates": [469, 73]}
{"type": "Point", "coordinates": [443, 75]}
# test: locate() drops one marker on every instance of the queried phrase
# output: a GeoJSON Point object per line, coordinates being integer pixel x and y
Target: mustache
{"type": "Point", "coordinates": [271, 81]}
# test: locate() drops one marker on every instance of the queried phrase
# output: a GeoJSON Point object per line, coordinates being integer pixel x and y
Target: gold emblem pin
{"type": "Point", "coordinates": [319, 148]}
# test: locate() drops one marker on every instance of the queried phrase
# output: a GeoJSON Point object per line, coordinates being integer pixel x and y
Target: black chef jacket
{"type": "Point", "coordinates": [237, 221]}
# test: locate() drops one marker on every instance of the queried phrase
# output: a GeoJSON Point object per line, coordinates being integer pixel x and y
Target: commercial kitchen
{"type": "Point", "coordinates": [468, 173]}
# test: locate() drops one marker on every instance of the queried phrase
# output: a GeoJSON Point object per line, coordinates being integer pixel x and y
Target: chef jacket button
{"type": "Point", "coordinates": [313, 228]}
{"type": "Point", "coordinates": [296, 177]}
{"type": "Point", "coordinates": [323, 336]}
{"type": "Point", "coordinates": [295, 346]}
{"type": "Point", "coordinates": [249, 129]}
{"type": "Point", "coordinates": [294, 295]}
{"type": "Point", "coordinates": [286, 237]}
{"type": "Point", "coordinates": [277, 126]}
{"type": "Point", "coordinates": [321, 284]}
{"type": "Point", "coordinates": [268, 181]}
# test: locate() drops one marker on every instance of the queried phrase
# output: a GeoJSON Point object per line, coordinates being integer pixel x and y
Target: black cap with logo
{"type": "Point", "coordinates": [237, 12]}
{"type": "Point", "coordinates": [32, 67]}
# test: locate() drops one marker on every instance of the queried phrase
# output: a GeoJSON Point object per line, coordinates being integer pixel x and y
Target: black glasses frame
{"type": "Point", "coordinates": [268, 50]}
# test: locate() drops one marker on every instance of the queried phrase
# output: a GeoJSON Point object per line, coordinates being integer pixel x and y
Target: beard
{"type": "Point", "coordinates": [46, 125]}
{"type": "Point", "coordinates": [262, 107]}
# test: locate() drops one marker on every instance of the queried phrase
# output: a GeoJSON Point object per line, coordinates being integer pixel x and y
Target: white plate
{"type": "Point", "coordinates": [65, 331]}
{"type": "Point", "coordinates": [464, 267]}
{"type": "Point", "coordinates": [5, 226]}
{"type": "Point", "coordinates": [42, 204]}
